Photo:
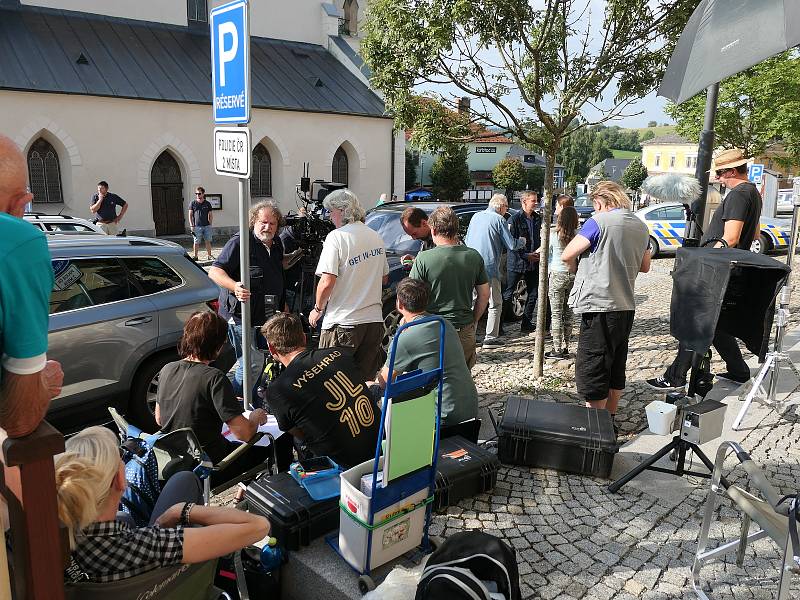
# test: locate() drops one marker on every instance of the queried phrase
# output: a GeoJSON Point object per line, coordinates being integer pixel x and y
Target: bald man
{"type": "Point", "coordinates": [28, 381]}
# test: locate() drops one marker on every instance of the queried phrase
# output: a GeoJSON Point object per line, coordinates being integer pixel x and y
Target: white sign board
{"type": "Point", "coordinates": [232, 155]}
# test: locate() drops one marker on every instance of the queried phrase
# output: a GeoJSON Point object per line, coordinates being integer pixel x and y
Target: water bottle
{"type": "Point", "coordinates": [271, 555]}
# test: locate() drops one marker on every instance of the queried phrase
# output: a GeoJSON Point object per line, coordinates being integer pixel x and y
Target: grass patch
{"type": "Point", "coordinates": [657, 131]}
{"type": "Point", "coordinates": [626, 154]}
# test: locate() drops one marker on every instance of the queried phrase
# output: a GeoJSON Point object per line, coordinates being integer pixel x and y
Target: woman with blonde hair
{"type": "Point", "coordinates": [561, 281]}
{"type": "Point", "coordinates": [90, 480]}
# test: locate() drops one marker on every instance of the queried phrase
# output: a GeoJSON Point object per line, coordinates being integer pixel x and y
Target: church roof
{"type": "Point", "coordinates": [58, 51]}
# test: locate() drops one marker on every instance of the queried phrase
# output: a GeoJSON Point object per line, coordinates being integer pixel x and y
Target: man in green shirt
{"type": "Point", "coordinates": [453, 272]}
{"type": "Point", "coordinates": [28, 381]}
{"type": "Point", "coordinates": [418, 348]}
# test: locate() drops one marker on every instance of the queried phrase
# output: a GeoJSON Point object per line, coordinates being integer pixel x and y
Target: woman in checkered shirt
{"type": "Point", "coordinates": [90, 477]}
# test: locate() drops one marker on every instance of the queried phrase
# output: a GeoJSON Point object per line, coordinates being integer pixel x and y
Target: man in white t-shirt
{"type": "Point", "coordinates": [352, 270]}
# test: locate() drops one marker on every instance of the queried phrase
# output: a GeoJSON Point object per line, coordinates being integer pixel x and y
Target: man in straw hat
{"type": "Point", "coordinates": [737, 221]}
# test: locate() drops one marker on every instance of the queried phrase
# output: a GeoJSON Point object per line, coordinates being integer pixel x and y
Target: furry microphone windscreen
{"type": "Point", "coordinates": [672, 187]}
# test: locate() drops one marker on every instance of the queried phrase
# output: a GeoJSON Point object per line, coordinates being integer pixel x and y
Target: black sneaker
{"type": "Point", "coordinates": [733, 379]}
{"type": "Point", "coordinates": [660, 383]}
{"type": "Point", "coordinates": [556, 354]}
{"type": "Point", "coordinates": [492, 343]}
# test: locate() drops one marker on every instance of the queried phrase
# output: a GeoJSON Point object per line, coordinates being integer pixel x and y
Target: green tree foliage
{"type": "Point", "coordinates": [634, 175]}
{"type": "Point", "coordinates": [648, 135]}
{"type": "Point", "coordinates": [652, 124]}
{"type": "Point", "coordinates": [530, 68]}
{"type": "Point", "coordinates": [411, 169]}
{"type": "Point", "coordinates": [509, 174]}
{"type": "Point", "coordinates": [581, 151]}
{"type": "Point", "coordinates": [755, 108]}
{"type": "Point", "coordinates": [450, 174]}
{"type": "Point", "coordinates": [618, 138]}
{"type": "Point", "coordinates": [534, 179]}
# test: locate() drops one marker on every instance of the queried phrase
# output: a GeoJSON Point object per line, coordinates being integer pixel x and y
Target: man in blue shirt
{"type": "Point", "coordinates": [489, 235]}
{"type": "Point", "coordinates": [28, 381]}
{"type": "Point", "coordinates": [523, 264]}
{"type": "Point", "coordinates": [105, 204]}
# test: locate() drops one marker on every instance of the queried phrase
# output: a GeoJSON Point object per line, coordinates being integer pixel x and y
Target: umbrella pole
{"type": "Point", "coordinates": [704, 155]}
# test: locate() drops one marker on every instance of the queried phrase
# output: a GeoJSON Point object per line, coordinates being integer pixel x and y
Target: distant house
{"type": "Point", "coordinates": [610, 168]}
{"type": "Point", "coordinates": [669, 153]}
{"type": "Point", "coordinates": [532, 160]}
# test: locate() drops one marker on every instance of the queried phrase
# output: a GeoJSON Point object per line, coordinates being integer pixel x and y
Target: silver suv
{"type": "Point", "coordinates": [116, 314]}
{"type": "Point", "coordinates": [61, 223]}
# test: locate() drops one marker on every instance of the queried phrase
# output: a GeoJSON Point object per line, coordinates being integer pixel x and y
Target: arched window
{"type": "Point", "coordinates": [45, 173]}
{"type": "Point", "coordinates": [261, 177]}
{"type": "Point", "coordinates": [351, 16]}
{"type": "Point", "coordinates": [340, 167]}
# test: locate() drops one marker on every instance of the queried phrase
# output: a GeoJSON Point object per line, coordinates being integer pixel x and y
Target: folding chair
{"type": "Point", "coordinates": [181, 582]}
{"type": "Point", "coordinates": [180, 450]}
{"type": "Point", "coordinates": [771, 512]}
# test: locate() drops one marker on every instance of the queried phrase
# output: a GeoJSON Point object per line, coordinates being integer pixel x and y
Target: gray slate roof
{"type": "Point", "coordinates": [517, 151]}
{"type": "Point", "coordinates": [613, 167]}
{"type": "Point", "coordinates": [670, 138]}
{"type": "Point", "coordinates": [40, 49]}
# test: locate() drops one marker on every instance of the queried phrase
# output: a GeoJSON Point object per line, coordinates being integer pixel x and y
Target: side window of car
{"type": "Point", "coordinates": [463, 223]}
{"type": "Point", "coordinates": [675, 213]}
{"type": "Point", "coordinates": [152, 275]}
{"type": "Point", "coordinates": [656, 215]}
{"type": "Point", "coordinates": [88, 282]}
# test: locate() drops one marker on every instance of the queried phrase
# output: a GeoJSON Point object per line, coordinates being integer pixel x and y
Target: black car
{"type": "Point", "coordinates": [585, 208]}
{"type": "Point", "coordinates": [385, 219]}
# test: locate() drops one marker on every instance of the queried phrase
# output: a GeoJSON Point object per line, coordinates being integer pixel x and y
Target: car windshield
{"type": "Point", "coordinates": [583, 201]}
{"type": "Point", "coordinates": [387, 224]}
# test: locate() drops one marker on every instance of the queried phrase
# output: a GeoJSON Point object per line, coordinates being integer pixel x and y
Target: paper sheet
{"type": "Point", "coordinates": [409, 447]}
{"type": "Point", "coordinates": [271, 426]}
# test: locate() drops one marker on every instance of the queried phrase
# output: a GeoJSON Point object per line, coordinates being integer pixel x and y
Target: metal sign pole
{"type": "Point", "coordinates": [244, 261]}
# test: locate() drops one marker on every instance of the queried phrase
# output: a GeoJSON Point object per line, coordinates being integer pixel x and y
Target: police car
{"type": "Point", "coordinates": [666, 224]}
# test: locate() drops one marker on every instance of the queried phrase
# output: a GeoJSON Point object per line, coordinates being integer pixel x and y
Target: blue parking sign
{"type": "Point", "coordinates": [755, 173]}
{"type": "Point", "coordinates": [230, 63]}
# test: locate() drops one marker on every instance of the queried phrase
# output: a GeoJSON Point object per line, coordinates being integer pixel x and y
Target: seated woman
{"type": "Point", "coordinates": [90, 480]}
{"type": "Point", "coordinates": [193, 394]}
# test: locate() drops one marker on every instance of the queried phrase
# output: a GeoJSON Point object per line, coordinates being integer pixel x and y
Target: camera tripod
{"type": "Point", "coordinates": [699, 385]}
{"type": "Point", "coordinates": [777, 359]}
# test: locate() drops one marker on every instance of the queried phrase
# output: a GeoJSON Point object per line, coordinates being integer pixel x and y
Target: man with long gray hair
{"type": "Point", "coordinates": [352, 269]}
{"type": "Point", "coordinates": [266, 280]}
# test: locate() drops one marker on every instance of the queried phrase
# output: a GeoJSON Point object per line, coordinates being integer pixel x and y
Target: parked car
{"type": "Point", "coordinates": [666, 223]}
{"type": "Point", "coordinates": [61, 223]}
{"type": "Point", "coordinates": [117, 311]}
{"type": "Point", "coordinates": [585, 208]}
{"type": "Point", "coordinates": [385, 219]}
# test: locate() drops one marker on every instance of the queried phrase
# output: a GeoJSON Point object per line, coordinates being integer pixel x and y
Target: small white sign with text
{"type": "Point", "coordinates": [232, 155]}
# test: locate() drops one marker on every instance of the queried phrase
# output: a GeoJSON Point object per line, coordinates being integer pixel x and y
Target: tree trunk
{"type": "Point", "coordinates": [541, 303]}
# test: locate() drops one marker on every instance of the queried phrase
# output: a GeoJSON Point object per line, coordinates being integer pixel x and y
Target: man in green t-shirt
{"type": "Point", "coordinates": [454, 272]}
{"type": "Point", "coordinates": [28, 381]}
{"type": "Point", "coordinates": [418, 348]}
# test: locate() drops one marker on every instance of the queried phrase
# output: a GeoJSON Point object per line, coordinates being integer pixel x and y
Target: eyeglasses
{"type": "Point", "coordinates": [198, 193]}
{"type": "Point", "coordinates": [122, 453]}
{"type": "Point", "coordinates": [721, 172]}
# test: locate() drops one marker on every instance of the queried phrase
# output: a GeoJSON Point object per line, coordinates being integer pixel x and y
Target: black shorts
{"type": "Point", "coordinates": [602, 353]}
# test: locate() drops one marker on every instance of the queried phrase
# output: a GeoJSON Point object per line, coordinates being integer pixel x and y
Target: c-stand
{"type": "Point", "coordinates": [776, 359]}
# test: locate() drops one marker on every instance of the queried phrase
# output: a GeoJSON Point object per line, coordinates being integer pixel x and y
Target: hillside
{"type": "Point", "coordinates": [660, 130]}
{"type": "Point", "coordinates": [626, 154]}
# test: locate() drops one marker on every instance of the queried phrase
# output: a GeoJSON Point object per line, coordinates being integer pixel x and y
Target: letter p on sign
{"type": "Point", "coordinates": [230, 62]}
{"type": "Point", "coordinates": [226, 55]}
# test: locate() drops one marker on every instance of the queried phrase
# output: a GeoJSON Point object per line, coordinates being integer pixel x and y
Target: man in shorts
{"type": "Point", "coordinates": [201, 217]}
{"type": "Point", "coordinates": [612, 246]}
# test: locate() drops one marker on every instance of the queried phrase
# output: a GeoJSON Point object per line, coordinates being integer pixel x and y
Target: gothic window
{"type": "Point", "coordinates": [351, 16]}
{"type": "Point", "coordinates": [340, 167]}
{"type": "Point", "coordinates": [261, 177]}
{"type": "Point", "coordinates": [45, 173]}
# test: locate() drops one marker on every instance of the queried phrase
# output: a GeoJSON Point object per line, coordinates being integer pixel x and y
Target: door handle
{"type": "Point", "coordinates": [138, 321]}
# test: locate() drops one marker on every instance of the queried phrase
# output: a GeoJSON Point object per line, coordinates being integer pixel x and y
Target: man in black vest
{"type": "Point", "coordinates": [267, 289]}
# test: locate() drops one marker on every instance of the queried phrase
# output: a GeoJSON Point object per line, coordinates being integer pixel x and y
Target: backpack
{"type": "Point", "coordinates": [471, 565]}
{"type": "Point", "coordinates": [141, 473]}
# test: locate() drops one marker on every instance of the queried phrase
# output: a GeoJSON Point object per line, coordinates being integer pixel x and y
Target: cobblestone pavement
{"type": "Point", "coordinates": [573, 538]}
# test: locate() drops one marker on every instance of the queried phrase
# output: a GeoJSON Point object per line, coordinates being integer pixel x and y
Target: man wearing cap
{"type": "Point", "coordinates": [737, 222]}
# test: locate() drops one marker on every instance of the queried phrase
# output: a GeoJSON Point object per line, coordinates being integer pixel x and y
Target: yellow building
{"type": "Point", "coordinates": [669, 153]}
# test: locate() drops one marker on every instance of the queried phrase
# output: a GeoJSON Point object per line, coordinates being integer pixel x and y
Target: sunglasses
{"type": "Point", "coordinates": [198, 193]}
{"type": "Point", "coordinates": [721, 172]}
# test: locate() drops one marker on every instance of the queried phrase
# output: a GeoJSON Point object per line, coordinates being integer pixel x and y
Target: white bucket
{"type": "Point", "coordinates": [660, 417]}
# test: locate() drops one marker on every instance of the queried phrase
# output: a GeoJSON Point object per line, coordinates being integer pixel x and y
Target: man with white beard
{"type": "Point", "coordinates": [266, 279]}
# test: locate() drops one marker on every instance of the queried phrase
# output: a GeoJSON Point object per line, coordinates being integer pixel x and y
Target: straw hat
{"type": "Point", "coordinates": [728, 159]}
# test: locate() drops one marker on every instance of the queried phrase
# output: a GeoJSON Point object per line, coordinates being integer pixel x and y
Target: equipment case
{"type": "Point", "coordinates": [553, 435]}
{"type": "Point", "coordinates": [464, 470]}
{"type": "Point", "coordinates": [296, 518]}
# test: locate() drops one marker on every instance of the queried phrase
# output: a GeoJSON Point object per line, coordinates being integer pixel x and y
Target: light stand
{"type": "Point", "coordinates": [777, 359]}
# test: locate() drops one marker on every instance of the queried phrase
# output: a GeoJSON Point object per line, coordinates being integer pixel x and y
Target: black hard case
{"type": "Point", "coordinates": [463, 470]}
{"type": "Point", "coordinates": [553, 435]}
{"type": "Point", "coordinates": [296, 518]}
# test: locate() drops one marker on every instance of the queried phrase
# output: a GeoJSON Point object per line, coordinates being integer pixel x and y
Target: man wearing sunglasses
{"type": "Point", "coordinates": [737, 222]}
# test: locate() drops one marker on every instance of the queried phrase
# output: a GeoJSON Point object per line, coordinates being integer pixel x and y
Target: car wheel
{"type": "Point", "coordinates": [391, 321]}
{"type": "Point", "coordinates": [142, 401]}
{"type": "Point", "coordinates": [761, 245]}
{"type": "Point", "coordinates": [652, 246]}
{"type": "Point", "coordinates": [519, 298]}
